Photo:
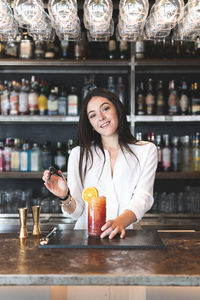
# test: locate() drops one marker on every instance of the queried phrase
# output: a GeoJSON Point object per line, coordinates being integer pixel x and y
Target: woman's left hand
{"type": "Point", "coordinates": [118, 225]}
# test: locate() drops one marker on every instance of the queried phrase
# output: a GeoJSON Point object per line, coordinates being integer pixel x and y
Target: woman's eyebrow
{"type": "Point", "coordinates": [100, 107]}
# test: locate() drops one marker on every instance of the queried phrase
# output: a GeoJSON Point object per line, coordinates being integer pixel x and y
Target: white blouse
{"type": "Point", "coordinates": [130, 187]}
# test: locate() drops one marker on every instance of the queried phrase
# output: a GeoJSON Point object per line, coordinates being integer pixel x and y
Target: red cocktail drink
{"type": "Point", "coordinates": [96, 215]}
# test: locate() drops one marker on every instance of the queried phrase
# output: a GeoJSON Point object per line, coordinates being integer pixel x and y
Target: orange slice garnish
{"type": "Point", "coordinates": [89, 193]}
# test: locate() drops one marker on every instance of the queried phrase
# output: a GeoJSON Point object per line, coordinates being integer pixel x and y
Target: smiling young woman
{"type": "Point", "coordinates": [108, 157]}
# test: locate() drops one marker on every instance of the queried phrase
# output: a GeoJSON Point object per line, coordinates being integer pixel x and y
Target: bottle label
{"type": "Point", "coordinates": [23, 102]}
{"type": "Point", "coordinates": [5, 104]}
{"type": "Point", "coordinates": [60, 161]}
{"type": "Point", "coordinates": [35, 161]}
{"type": "Point", "coordinates": [195, 106]}
{"type": "Point", "coordinates": [7, 159]}
{"type": "Point", "coordinates": [52, 106]}
{"type": "Point", "coordinates": [42, 103]}
{"type": "Point", "coordinates": [172, 103]}
{"type": "Point", "coordinates": [166, 158]}
{"type": "Point", "coordinates": [15, 160]}
{"type": "Point", "coordinates": [150, 102]}
{"type": "Point", "coordinates": [112, 45]}
{"type": "Point", "coordinates": [24, 161]}
{"type": "Point", "coordinates": [14, 104]}
{"type": "Point", "coordinates": [25, 49]}
{"type": "Point", "coordinates": [139, 49]}
{"type": "Point", "coordinates": [184, 103]}
{"type": "Point", "coordinates": [73, 105]}
{"type": "Point", "coordinates": [32, 102]}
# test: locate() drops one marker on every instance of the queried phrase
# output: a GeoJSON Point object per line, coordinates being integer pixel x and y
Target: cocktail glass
{"type": "Point", "coordinates": [96, 215]}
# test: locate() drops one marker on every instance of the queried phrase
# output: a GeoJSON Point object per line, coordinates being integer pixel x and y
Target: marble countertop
{"type": "Point", "coordinates": [23, 263]}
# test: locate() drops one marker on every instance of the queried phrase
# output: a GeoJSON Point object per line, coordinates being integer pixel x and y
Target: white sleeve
{"type": "Point", "coordinates": [74, 183]}
{"type": "Point", "coordinates": [142, 196]}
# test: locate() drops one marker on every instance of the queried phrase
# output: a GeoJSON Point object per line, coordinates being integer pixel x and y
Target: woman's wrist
{"type": "Point", "coordinates": [67, 196]}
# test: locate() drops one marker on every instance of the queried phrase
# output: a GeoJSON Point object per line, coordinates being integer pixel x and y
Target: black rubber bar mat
{"type": "Point", "coordinates": [135, 239]}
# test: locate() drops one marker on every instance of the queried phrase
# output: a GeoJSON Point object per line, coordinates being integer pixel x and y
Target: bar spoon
{"type": "Point", "coordinates": [45, 240]}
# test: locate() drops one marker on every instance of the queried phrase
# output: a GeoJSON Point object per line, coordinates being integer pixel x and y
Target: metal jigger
{"type": "Point", "coordinates": [36, 217]}
{"type": "Point", "coordinates": [23, 212]}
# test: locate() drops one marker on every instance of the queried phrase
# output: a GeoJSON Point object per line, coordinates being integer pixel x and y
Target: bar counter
{"type": "Point", "coordinates": [23, 263]}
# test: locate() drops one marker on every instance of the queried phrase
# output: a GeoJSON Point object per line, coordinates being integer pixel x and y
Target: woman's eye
{"type": "Point", "coordinates": [92, 116]}
{"type": "Point", "coordinates": [106, 108]}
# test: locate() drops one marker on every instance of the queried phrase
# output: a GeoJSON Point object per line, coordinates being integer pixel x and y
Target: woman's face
{"type": "Point", "coordinates": [102, 115]}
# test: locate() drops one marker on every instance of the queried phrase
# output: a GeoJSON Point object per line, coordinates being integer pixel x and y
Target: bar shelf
{"type": "Point", "coordinates": [166, 118]}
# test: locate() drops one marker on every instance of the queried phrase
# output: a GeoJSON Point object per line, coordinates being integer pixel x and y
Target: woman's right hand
{"type": "Point", "coordinates": [56, 185]}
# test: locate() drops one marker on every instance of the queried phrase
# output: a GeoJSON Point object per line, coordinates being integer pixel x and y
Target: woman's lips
{"type": "Point", "coordinates": [105, 124]}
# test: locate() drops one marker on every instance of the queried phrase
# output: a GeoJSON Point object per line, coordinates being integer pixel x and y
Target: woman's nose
{"type": "Point", "coordinates": [101, 116]}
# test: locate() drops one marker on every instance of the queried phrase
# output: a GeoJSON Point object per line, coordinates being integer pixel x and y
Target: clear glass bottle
{"type": "Point", "coordinates": [25, 159]}
{"type": "Point", "coordinates": [64, 49]}
{"type": "Point", "coordinates": [62, 102]}
{"type": "Point", "coordinates": [14, 98]}
{"type": "Point", "coordinates": [7, 154]}
{"type": "Point", "coordinates": [150, 98]}
{"type": "Point", "coordinates": [60, 158]}
{"type": "Point", "coordinates": [111, 85]}
{"type": "Point", "coordinates": [33, 97]}
{"type": "Point", "coordinates": [175, 154]}
{"type": "Point", "coordinates": [15, 155]}
{"type": "Point", "coordinates": [23, 98]}
{"type": "Point", "coordinates": [173, 100]}
{"type": "Point", "coordinates": [26, 46]}
{"type": "Point", "coordinates": [159, 149]}
{"type": "Point", "coordinates": [196, 152]}
{"type": "Point", "coordinates": [184, 101]}
{"type": "Point", "coordinates": [46, 155]}
{"type": "Point", "coordinates": [5, 100]}
{"type": "Point", "coordinates": [166, 154]}
{"type": "Point", "coordinates": [120, 90]}
{"type": "Point", "coordinates": [35, 156]}
{"type": "Point", "coordinates": [73, 102]}
{"type": "Point", "coordinates": [185, 154]}
{"type": "Point", "coordinates": [52, 102]}
{"type": "Point", "coordinates": [1, 155]}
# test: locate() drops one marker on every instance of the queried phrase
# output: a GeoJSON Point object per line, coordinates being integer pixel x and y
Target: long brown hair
{"type": "Point", "coordinates": [87, 137]}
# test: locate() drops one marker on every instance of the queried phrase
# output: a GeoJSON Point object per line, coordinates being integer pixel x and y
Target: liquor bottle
{"type": "Point", "coordinates": [159, 149]}
{"type": "Point", "coordinates": [14, 98]}
{"type": "Point", "coordinates": [160, 100]}
{"type": "Point", "coordinates": [62, 102]}
{"type": "Point", "coordinates": [140, 100]}
{"type": "Point", "coordinates": [33, 97]}
{"type": "Point", "coordinates": [25, 158]}
{"type": "Point", "coordinates": [23, 98]}
{"type": "Point", "coordinates": [196, 152]}
{"type": "Point", "coordinates": [184, 102]}
{"type": "Point", "coordinates": [111, 84]}
{"type": "Point", "coordinates": [49, 51]}
{"type": "Point", "coordinates": [185, 155]}
{"type": "Point", "coordinates": [46, 155]}
{"type": "Point", "coordinates": [173, 101]}
{"type": "Point", "coordinates": [52, 102]}
{"type": "Point", "coordinates": [120, 90]}
{"type": "Point", "coordinates": [124, 51]}
{"type": "Point", "coordinates": [60, 158]}
{"type": "Point", "coordinates": [150, 98]}
{"type": "Point", "coordinates": [139, 136]}
{"type": "Point", "coordinates": [1, 155]}
{"type": "Point", "coordinates": [5, 100]}
{"type": "Point", "coordinates": [15, 155]}
{"type": "Point", "coordinates": [195, 99]}
{"type": "Point", "coordinates": [166, 154]}
{"type": "Point", "coordinates": [139, 48]}
{"type": "Point", "coordinates": [175, 154]}
{"type": "Point", "coordinates": [64, 49]}
{"type": "Point", "coordinates": [39, 50]}
{"type": "Point", "coordinates": [42, 98]}
{"type": "Point", "coordinates": [7, 154]}
{"type": "Point", "coordinates": [1, 50]}
{"type": "Point", "coordinates": [112, 49]}
{"type": "Point", "coordinates": [11, 49]}
{"type": "Point", "coordinates": [70, 145]}
{"type": "Point", "coordinates": [73, 102]}
{"type": "Point", "coordinates": [35, 158]}
{"type": "Point", "coordinates": [26, 46]}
